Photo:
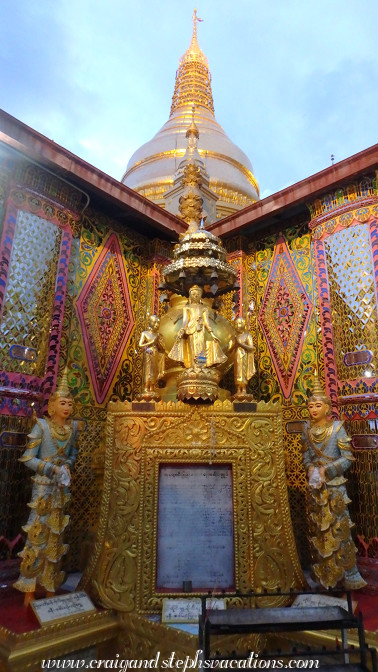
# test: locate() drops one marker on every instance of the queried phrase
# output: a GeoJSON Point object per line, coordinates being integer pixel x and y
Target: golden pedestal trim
{"type": "Point", "coordinates": [198, 383]}
{"type": "Point", "coordinates": [25, 652]}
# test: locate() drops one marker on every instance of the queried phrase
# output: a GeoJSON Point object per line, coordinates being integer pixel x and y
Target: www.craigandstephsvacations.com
{"type": "Point", "coordinates": [175, 662]}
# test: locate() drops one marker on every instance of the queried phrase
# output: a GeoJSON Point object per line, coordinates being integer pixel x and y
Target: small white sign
{"type": "Point", "coordinates": [180, 610]}
{"type": "Point", "coordinates": [319, 600]}
{"type": "Point", "coordinates": [61, 606]}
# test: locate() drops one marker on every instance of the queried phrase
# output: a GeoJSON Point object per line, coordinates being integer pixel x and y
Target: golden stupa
{"type": "Point", "coordinates": [152, 167]}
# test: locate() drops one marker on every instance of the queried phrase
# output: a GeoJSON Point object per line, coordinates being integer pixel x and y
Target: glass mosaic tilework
{"type": "Point", "coordinates": [29, 296]}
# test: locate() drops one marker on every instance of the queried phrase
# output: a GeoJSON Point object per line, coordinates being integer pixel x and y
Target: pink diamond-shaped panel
{"type": "Point", "coordinates": [284, 315]}
{"type": "Point", "coordinates": [105, 316]}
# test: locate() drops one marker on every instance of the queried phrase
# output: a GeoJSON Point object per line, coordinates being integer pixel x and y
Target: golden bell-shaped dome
{"type": "Point", "coordinates": [152, 167]}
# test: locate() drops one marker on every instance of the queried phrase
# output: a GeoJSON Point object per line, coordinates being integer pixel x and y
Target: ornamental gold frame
{"type": "Point", "coordinates": [153, 461]}
{"type": "Point", "coordinates": [140, 437]}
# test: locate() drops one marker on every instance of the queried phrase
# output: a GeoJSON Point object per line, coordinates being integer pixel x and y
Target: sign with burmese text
{"type": "Point", "coordinates": [195, 545]}
{"type": "Point", "coordinates": [187, 611]}
{"type": "Point", "coordinates": [62, 606]}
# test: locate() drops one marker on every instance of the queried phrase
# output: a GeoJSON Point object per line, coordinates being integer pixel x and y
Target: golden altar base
{"type": "Point", "coordinates": [122, 569]}
{"type": "Point", "coordinates": [25, 652]}
{"type": "Point", "coordinates": [142, 639]}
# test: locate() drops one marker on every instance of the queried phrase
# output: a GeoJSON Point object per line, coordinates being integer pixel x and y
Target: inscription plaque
{"type": "Point", "coordinates": [61, 607]}
{"type": "Point", "coordinates": [187, 611]}
{"type": "Point", "coordinates": [195, 528]}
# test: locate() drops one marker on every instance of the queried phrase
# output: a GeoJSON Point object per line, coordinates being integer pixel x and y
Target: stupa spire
{"type": "Point", "coordinates": [191, 197]}
{"type": "Point", "coordinates": [193, 78]}
{"type": "Point", "coordinates": [194, 36]}
{"type": "Point", "coordinates": [192, 130]}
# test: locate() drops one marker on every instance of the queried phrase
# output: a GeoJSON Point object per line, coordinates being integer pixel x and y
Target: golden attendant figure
{"type": "Point", "coordinates": [244, 361]}
{"type": "Point", "coordinates": [151, 342]}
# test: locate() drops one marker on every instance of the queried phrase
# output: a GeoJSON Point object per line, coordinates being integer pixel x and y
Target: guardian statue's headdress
{"type": "Point", "coordinates": [62, 391]}
{"type": "Point", "coordinates": [318, 393]}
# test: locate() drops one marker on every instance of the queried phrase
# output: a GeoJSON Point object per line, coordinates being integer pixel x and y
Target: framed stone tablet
{"type": "Point", "coordinates": [195, 531]}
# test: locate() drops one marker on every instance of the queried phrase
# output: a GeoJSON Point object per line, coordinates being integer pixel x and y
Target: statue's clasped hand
{"type": "Point", "coordinates": [316, 477]}
{"type": "Point", "coordinates": [62, 475]}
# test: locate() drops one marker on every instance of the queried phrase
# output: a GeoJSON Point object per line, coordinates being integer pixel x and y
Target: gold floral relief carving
{"type": "Point", "coordinates": [122, 571]}
{"type": "Point", "coordinates": [141, 639]}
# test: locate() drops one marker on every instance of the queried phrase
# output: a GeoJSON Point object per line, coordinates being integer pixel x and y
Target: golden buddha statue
{"type": "Point", "coordinates": [191, 346]}
{"type": "Point", "coordinates": [199, 271]}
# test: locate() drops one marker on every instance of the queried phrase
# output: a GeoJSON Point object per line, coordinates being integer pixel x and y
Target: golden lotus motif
{"type": "Point", "coordinates": [198, 383]}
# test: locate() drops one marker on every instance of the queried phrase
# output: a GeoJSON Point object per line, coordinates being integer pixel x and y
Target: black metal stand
{"type": "Point", "coordinates": [287, 619]}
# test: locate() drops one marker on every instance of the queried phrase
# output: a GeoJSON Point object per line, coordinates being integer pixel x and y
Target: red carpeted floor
{"type": "Point", "coordinates": [13, 615]}
{"type": "Point", "coordinates": [368, 606]}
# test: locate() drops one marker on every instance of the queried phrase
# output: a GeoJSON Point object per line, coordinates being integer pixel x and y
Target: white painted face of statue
{"type": "Point", "coordinates": [63, 409]}
{"type": "Point", "coordinates": [318, 411]}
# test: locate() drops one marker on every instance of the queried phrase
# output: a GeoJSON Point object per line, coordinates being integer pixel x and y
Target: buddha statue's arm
{"type": "Point", "coordinates": [207, 325]}
{"type": "Point", "coordinates": [246, 344]}
{"type": "Point", "coordinates": [147, 339]}
{"type": "Point", "coordinates": [185, 322]}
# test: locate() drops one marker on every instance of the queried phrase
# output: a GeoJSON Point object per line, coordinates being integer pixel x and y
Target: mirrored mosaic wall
{"type": "Point", "coordinates": [295, 333]}
{"type": "Point", "coordinates": [101, 281]}
{"type": "Point", "coordinates": [352, 292]}
{"type": "Point", "coordinates": [109, 283]}
{"type": "Point", "coordinates": [29, 295]}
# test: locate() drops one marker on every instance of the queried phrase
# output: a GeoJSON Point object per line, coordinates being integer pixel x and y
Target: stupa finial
{"type": "Point", "coordinates": [195, 19]}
